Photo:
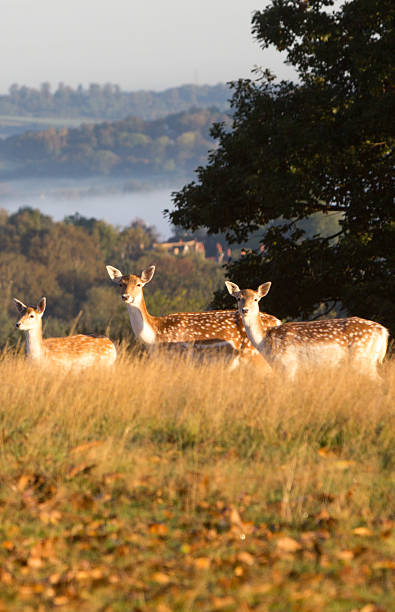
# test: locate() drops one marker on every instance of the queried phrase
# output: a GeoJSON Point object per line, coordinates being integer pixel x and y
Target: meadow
{"type": "Point", "coordinates": [165, 484]}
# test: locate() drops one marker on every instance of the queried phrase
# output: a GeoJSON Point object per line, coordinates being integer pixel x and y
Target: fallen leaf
{"type": "Point", "coordinates": [23, 481]}
{"type": "Point", "coordinates": [82, 575]}
{"type": "Point", "coordinates": [222, 602]}
{"type": "Point", "coordinates": [185, 548]}
{"type": "Point", "coordinates": [235, 518]}
{"type": "Point", "coordinates": [325, 451]}
{"type": "Point", "coordinates": [27, 590]}
{"type": "Point", "coordinates": [245, 557]}
{"type": "Point", "coordinates": [202, 562]}
{"type": "Point", "coordinates": [50, 518]}
{"type": "Point", "coordinates": [345, 555]}
{"type": "Point", "coordinates": [287, 544]}
{"type": "Point", "coordinates": [160, 578]}
{"type": "Point", "coordinates": [54, 578]}
{"type": "Point", "coordinates": [163, 608]}
{"type": "Point", "coordinates": [96, 573]}
{"type": "Point", "coordinates": [158, 529]}
{"type": "Point", "coordinates": [35, 562]}
{"type": "Point", "coordinates": [60, 600]}
{"type": "Point", "coordinates": [384, 565]}
{"type": "Point", "coordinates": [5, 576]}
{"type": "Point", "coordinates": [362, 531]}
{"type": "Point", "coordinates": [261, 589]}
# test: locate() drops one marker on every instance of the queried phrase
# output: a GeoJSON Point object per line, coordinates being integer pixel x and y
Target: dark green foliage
{"type": "Point", "coordinates": [173, 145]}
{"type": "Point", "coordinates": [321, 145]}
{"type": "Point", "coordinates": [65, 261]}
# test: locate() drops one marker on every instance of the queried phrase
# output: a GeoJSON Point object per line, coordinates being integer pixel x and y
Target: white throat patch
{"type": "Point", "coordinates": [253, 327]}
{"type": "Point", "coordinates": [141, 328]}
{"type": "Point", "coordinates": [34, 343]}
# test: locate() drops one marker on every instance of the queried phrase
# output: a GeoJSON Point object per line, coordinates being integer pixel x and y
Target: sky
{"type": "Point", "coordinates": [138, 44]}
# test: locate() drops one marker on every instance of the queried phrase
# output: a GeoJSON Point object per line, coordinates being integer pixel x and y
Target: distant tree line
{"type": "Point", "coordinates": [172, 145]}
{"type": "Point", "coordinates": [65, 261]}
{"type": "Point", "coordinates": [109, 101]}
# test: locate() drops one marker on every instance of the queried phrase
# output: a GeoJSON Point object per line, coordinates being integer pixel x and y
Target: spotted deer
{"type": "Point", "coordinates": [219, 328]}
{"type": "Point", "coordinates": [325, 342]}
{"type": "Point", "coordinates": [79, 350]}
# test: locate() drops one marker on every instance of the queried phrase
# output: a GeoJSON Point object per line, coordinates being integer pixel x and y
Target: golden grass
{"type": "Point", "coordinates": [165, 484]}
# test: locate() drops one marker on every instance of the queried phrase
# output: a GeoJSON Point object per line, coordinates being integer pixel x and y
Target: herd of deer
{"type": "Point", "coordinates": [250, 333]}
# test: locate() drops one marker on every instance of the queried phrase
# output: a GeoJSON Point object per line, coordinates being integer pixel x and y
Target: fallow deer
{"type": "Point", "coordinates": [308, 343]}
{"type": "Point", "coordinates": [199, 329]}
{"type": "Point", "coordinates": [79, 350]}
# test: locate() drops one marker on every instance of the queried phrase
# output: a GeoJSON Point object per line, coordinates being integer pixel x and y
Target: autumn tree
{"type": "Point", "coordinates": [322, 144]}
{"type": "Point", "coordinates": [65, 261]}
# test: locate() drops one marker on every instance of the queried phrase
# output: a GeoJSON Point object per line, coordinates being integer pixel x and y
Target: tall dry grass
{"type": "Point", "coordinates": [199, 450]}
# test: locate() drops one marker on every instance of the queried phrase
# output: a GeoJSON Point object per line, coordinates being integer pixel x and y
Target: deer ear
{"type": "Point", "coordinates": [114, 273]}
{"type": "Point", "coordinates": [263, 289]}
{"type": "Point", "coordinates": [147, 274]}
{"type": "Point", "coordinates": [21, 307]}
{"type": "Point", "coordinates": [232, 287]}
{"type": "Point", "coordinates": [41, 305]}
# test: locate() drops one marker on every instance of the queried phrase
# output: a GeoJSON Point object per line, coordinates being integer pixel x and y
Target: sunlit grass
{"type": "Point", "coordinates": [167, 484]}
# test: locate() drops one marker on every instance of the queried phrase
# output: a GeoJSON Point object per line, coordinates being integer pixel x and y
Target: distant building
{"type": "Point", "coordinates": [182, 247]}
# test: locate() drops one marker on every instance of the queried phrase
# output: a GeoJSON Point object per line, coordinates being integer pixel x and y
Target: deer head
{"type": "Point", "coordinates": [247, 299]}
{"type": "Point", "coordinates": [130, 284]}
{"type": "Point", "coordinates": [30, 316]}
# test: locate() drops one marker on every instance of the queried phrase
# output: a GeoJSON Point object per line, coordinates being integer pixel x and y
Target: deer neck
{"type": "Point", "coordinates": [255, 330]}
{"type": "Point", "coordinates": [34, 342]}
{"type": "Point", "coordinates": [141, 321]}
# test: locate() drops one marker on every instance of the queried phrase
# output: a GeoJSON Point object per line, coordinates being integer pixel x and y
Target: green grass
{"type": "Point", "coordinates": [164, 484]}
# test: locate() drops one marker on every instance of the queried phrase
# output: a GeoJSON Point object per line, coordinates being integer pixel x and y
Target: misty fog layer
{"type": "Point", "coordinates": [115, 202]}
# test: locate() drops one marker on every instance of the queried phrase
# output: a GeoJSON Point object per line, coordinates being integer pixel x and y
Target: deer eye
{"type": "Point", "coordinates": [31, 316]}
{"type": "Point", "coordinates": [256, 299]}
{"type": "Point", "coordinates": [138, 284]}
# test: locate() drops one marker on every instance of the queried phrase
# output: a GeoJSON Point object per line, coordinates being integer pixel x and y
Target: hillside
{"type": "Point", "coordinates": [173, 145]}
{"type": "Point", "coordinates": [33, 107]}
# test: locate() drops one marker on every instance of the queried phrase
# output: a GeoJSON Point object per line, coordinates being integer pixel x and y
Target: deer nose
{"type": "Point", "coordinates": [125, 296]}
{"type": "Point", "coordinates": [17, 324]}
{"type": "Point", "coordinates": [244, 310]}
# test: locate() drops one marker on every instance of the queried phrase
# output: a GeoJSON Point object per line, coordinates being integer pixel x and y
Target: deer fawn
{"type": "Point", "coordinates": [202, 329]}
{"type": "Point", "coordinates": [77, 350]}
{"type": "Point", "coordinates": [326, 342]}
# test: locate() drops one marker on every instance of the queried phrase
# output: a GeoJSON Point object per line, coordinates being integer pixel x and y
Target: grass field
{"type": "Point", "coordinates": [166, 485]}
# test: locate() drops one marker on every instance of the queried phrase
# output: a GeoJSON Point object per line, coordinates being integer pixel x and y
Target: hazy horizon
{"type": "Point", "coordinates": [149, 46]}
{"type": "Point", "coordinates": [101, 198]}
{"type": "Point", "coordinates": [138, 46]}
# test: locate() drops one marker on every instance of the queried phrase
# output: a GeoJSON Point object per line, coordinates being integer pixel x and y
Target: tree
{"type": "Point", "coordinates": [323, 144]}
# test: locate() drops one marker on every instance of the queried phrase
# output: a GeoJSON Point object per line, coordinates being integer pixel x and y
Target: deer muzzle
{"type": "Point", "coordinates": [129, 299]}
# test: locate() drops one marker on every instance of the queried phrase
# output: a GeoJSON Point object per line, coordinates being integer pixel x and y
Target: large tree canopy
{"type": "Point", "coordinates": [322, 144]}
